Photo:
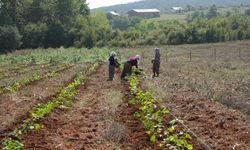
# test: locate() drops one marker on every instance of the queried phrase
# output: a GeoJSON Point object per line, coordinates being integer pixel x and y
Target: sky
{"type": "Point", "coordinates": [100, 3]}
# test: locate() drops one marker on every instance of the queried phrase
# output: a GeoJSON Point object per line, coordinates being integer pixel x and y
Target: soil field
{"type": "Point", "coordinates": [210, 96]}
{"type": "Point", "coordinates": [14, 107]}
{"type": "Point", "coordinates": [208, 91]}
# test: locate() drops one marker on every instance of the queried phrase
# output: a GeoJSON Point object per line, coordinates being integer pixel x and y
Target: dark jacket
{"type": "Point", "coordinates": [112, 61]}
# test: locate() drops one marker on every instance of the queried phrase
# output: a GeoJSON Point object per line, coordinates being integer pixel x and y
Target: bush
{"type": "Point", "coordinates": [56, 35]}
{"type": "Point", "coordinates": [247, 12]}
{"type": "Point", "coordinates": [10, 38]}
{"type": "Point", "coordinates": [34, 35]}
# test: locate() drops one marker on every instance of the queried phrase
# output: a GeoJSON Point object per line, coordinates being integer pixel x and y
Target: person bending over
{"type": "Point", "coordinates": [128, 65]}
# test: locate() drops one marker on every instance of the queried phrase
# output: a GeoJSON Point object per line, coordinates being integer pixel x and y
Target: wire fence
{"type": "Point", "coordinates": [207, 55]}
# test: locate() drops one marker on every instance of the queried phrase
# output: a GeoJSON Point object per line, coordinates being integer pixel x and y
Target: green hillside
{"type": "Point", "coordinates": [165, 5]}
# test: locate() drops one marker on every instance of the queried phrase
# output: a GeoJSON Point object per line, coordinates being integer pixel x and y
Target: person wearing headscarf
{"type": "Point", "coordinates": [128, 65]}
{"type": "Point", "coordinates": [113, 62]}
{"type": "Point", "coordinates": [156, 63]}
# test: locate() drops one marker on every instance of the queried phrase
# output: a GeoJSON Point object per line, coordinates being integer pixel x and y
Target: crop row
{"type": "Point", "coordinates": [11, 73]}
{"type": "Point", "coordinates": [65, 99]}
{"type": "Point", "coordinates": [36, 77]}
{"type": "Point", "coordinates": [13, 67]}
{"type": "Point", "coordinates": [157, 120]}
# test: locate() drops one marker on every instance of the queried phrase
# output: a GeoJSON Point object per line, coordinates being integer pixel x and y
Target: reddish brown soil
{"type": "Point", "coordinates": [21, 73]}
{"type": "Point", "coordinates": [80, 127]}
{"type": "Point", "coordinates": [206, 117]}
{"type": "Point", "coordinates": [15, 106]}
{"type": "Point", "coordinates": [87, 124]}
{"type": "Point", "coordinates": [137, 138]}
{"type": "Point", "coordinates": [13, 77]}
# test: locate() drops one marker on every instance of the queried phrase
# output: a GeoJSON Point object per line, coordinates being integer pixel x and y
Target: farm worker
{"type": "Point", "coordinates": [113, 62]}
{"type": "Point", "coordinates": [156, 63]}
{"type": "Point", "coordinates": [128, 65]}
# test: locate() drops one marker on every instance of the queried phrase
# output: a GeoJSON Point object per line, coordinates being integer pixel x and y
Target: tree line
{"type": "Point", "coordinates": [204, 27]}
{"type": "Point", "coordinates": [165, 5]}
{"type": "Point", "coordinates": [39, 23]}
{"type": "Point", "coordinates": [69, 23]}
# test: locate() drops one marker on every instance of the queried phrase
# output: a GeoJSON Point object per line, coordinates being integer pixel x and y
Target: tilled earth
{"type": "Point", "coordinates": [15, 106]}
{"type": "Point", "coordinates": [94, 122]}
{"type": "Point", "coordinates": [83, 125]}
{"type": "Point", "coordinates": [215, 125]}
{"type": "Point", "coordinates": [220, 127]}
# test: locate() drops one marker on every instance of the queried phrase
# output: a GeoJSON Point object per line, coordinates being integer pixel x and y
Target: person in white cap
{"type": "Point", "coordinates": [113, 62]}
{"type": "Point", "coordinates": [128, 65]}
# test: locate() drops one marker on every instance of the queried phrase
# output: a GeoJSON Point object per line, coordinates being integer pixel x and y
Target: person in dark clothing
{"type": "Point", "coordinates": [156, 63]}
{"type": "Point", "coordinates": [113, 62]}
{"type": "Point", "coordinates": [128, 65]}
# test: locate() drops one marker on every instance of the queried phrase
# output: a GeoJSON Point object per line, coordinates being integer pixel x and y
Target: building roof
{"type": "Point", "coordinates": [146, 10]}
{"type": "Point", "coordinates": [114, 13]}
{"type": "Point", "coordinates": [176, 8]}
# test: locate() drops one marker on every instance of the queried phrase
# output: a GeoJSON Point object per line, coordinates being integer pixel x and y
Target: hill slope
{"type": "Point", "coordinates": [166, 4]}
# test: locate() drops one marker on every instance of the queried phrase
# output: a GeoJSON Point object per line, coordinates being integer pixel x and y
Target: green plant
{"type": "Point", "coordinates": [11, 144]}
{"type": "Point", "coordinates": [152, 115]}
{"type": "Point", "coordinates": [15, 87]}
{"type": "Point", "coordinates": [65, 98]}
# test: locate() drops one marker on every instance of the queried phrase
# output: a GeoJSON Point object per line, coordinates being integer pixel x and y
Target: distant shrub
{"type": "Point", "coordinates": [247, 12]}
{"type": "Point", "coordinates": [34, 35]}
{"type": "Point", "coordinates": [10, 38]}
{"type": "Point", "coordinates": [56, 35]}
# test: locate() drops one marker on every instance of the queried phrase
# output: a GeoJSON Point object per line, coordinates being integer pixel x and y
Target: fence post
{"type": "Point", "coordinates": [215, 54]}
{"type": "Point", "coordinates": [240, 53]}
{"type": "Point", "coordinates": [190, 55]}
{"type": "Point", "coordinates": [166, 57]}
{"type": "Point", "coordinates": [142, 55]}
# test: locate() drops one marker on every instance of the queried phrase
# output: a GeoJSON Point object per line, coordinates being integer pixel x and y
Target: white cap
{"type": "Point", "coordinates": [113, 54]}
{"type": "Point", "coordinates": [138, 57]}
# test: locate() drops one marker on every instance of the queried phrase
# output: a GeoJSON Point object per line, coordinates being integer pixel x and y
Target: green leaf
{"type": "Point", "coordinates": [137, 115]}
{"type": "Point", "coordinates": [189, 147]}
{"type": "Point", "coordinates": [148, 132]}
{"type": "Point", "coordinates": [161, 145]}
{"type": "Point", "coordinates": [153, 138]}
{"type": "Point", "coordinates": [171, 129]}
{"type": "Point", "coordinates": [188, 136]}
{"type": "Point", "coordinates": [165, 111]}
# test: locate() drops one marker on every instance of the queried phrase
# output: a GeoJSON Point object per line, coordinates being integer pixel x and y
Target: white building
{"type": "Point", "coordinates": [144, 13]}
{"type": "Point", "coordinates": [176, 9]}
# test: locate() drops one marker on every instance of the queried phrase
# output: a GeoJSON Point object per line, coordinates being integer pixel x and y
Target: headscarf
{"type": "Point", "coordinates": [138, 57]}
{"type": "Point", "coordinates": [113, 54]}
{"type": "Point", "coordinates": [157, 54]}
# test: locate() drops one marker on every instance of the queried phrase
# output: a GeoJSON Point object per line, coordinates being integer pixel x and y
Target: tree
{"type": "Point", "coordinates": [100, 23]}
{"type": "Point", "coordinates": [212, 12]}
{"type": "Point", "coordinates": [34, 35]}
{"type": "Point", "coordinates": [134, 21]}
{"type": "Point", "coordinates": [193, 16]}
{"type": "Point", "coordinates": [10, 38]}
{"type": "Point", "coordinates": [121, 22]}
{"type": "Point", "coordinates": [247, 12]}
{"type": "Point", "coordinates": [8, 12]}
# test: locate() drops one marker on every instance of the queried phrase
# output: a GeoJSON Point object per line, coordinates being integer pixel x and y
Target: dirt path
{"type": "Point", "coordinates": [95, 122]}
{"type": "Point", "coordinates": [15, 106]}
